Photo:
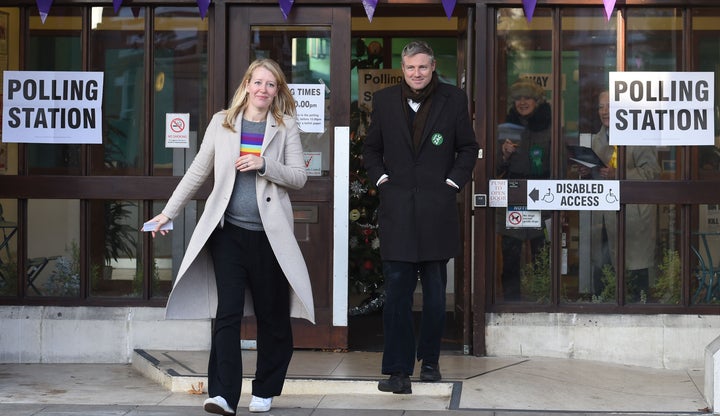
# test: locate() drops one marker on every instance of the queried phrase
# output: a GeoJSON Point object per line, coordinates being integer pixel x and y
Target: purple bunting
{"type": "Point", "coordinates": [369, 6]}
{"type": "Point", "coordinates": [529, 8]}
{"type": "Point", "coordinates": [285, 6]}
{"type": "Point", "coordinates": [609, 6]}
{"type": "Point", "coordinates": [44, 8]}
{"type": "Point", "coordinates": [203, 6]}
{"type": "Point", "coordinates": [449, 6]}
{"type": "Point", "coordinates": [116, 5]}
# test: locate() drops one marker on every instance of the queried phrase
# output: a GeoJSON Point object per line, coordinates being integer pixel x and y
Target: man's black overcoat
{"type": "Point", "coordinates": [418, 212]}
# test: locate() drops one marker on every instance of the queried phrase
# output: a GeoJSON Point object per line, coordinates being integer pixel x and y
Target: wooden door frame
{"type": "Point", "coordinates": [232, 54]}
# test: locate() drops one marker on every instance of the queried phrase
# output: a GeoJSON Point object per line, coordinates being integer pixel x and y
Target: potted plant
{"type": "Point", "coordinates": [119, 235]}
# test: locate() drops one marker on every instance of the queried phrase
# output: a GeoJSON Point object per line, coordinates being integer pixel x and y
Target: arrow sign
{"type": "Point", "coordinates": [534, 195]}
{"type": "Point", "coordinates": [573, 195]}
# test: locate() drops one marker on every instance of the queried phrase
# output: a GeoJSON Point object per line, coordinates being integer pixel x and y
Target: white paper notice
{"type": "Point", "coordinates": [310, 106]}
{"type": "Point", "coordinates": [177, 130]}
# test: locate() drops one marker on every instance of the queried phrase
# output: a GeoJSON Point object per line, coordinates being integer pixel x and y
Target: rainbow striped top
{"type": "Point", "coordinates": [251, 143]}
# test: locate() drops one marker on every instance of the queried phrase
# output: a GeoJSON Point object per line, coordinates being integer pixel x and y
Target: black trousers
{"type": "Point", "coordinates": [244, 260]}
{"type": "Point", "coordinates": [399, 348]}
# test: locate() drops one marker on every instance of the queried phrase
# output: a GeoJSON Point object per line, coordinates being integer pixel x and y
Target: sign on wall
{"type": "Point", "coordinates": [662, 108]}
{"type": "Point", "coordinates": [52, 107]}
{"type": "Point", "coordinates": [372, 80]}
{"type": "Point", "coordinates": [573, 195]}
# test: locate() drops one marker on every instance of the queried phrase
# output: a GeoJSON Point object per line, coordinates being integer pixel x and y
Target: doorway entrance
{"type": "Point", "coordinates": [321, 46]}
{"type": "Point", "coordinates": [375, 62]}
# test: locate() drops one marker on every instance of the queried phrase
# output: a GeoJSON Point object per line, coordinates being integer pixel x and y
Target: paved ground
{"type": "Point", "coordinates": [340, 384]}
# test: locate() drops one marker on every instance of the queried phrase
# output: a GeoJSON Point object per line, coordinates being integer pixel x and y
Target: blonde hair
{"type": "Point", "coordinates": [282, 104]}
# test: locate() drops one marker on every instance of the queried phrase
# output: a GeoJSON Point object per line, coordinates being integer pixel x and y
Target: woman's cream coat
{"type": "Point", "coordinates": [194, 293]}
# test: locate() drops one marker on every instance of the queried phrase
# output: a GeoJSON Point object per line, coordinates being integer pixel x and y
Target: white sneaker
{"type": "Point", "coordinates": [218, 405]}
{"type": "Point", "coordinates": [259, 404]}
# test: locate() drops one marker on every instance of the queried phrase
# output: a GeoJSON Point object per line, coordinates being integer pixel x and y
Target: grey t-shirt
{"type": "Point", "coordinates": [242, 210]}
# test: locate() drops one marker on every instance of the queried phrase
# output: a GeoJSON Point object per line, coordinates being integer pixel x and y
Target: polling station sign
{"type": "Point", "coordinates": [573, 195]}
{"type": "Point", "coordinates": [52, 107]}
{"type": "Point", "coordinates": [662, 108]}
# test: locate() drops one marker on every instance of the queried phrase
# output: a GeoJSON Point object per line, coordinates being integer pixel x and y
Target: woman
{"type": "Point", "coordinates": [528, 157]}
{"type": "Point", "coordinates": [244, 238]}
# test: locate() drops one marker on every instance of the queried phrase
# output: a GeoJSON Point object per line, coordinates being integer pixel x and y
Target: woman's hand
{"type": "Point", "coordinates": [508, 148]}
{"type": "Point", "coordinates": [161, 220]}
{"type": "Point", "coordinates": [246, 163]}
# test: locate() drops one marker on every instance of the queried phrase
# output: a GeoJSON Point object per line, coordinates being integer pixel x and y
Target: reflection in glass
{"type": "Point", "coordinates": [53, 262]}
{"type": "Point", "coordinates": [113, 246]}
{"type": "Point", "coordinates": [117, 48]}
{"type": "Point", "coordinates": [162, 255]}
{"type": "Point", "coordinates": [62, 35]}
{"type": "Point", "coordinates": [180, 79]}
{"type": "Point", "coordinates": [654, 43]}
{"type": "Point", "coordinates": [8, 247]}
{"type": "Point", "coordinates": [303, 53]}
{"type": "Point", "coordinates": [523, 251]}
{"type": "Point", "coordinates": [705, 249]}
{"type": "Point", "coordinates": [707, 58]}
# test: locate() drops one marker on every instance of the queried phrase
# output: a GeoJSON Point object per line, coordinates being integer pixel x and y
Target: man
{"type": "Point", "coordinates": [640, 219]}
{"type": "Point", "coordinates": [420, 150]}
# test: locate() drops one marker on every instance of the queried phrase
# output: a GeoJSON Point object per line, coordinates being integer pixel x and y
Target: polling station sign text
{"type": "Point", "coordinates": [52, 107]}
{"type": "Point", "coordinates": [662, 108]}
{"type": "Point", "coordinates": [573, 195]}
{"type": "Point", "coordinates": [309, 106]}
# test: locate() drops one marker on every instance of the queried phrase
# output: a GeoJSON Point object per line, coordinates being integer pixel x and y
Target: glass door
{"type": "Point", "coordinates": [313, 48]}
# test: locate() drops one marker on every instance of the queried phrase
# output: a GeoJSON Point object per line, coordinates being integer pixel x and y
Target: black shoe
{"type": "Point", "coordinates": [430, 372]}
{"type": "Point", "coordinates": [397, 383]}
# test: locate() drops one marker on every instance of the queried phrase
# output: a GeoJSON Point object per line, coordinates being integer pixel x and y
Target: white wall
{"type": "Point", "coordinates": [43, 334]}
{"type": "Point", "coordinates": [658, 341]}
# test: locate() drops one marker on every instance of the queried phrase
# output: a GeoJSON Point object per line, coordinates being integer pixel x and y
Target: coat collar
{"type": "Point", "coordinates": [271, 129]}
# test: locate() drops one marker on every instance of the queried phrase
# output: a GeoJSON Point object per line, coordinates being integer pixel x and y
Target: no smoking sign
{"type": "Point", "coordinates": [177, 131]}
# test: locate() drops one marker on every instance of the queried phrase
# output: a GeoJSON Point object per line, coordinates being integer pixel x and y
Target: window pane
{"type": "Point", "coordinates": [114, 243]}
{"type": "Point", "coordinates": [523, 151]}
{"type": "Point", "coordinates": [117, 48]}
{"type": "Point", "coordinates": [8, 248]}
{"type": "Point", "coordinates": [163, 270]}
{"type": "Point", "coordinates": [706, 37]}
{"type": "Point", "coordinates": [53, 248]}
{"type": "Point", "coordinates": [705, 248]}
{"type": "Point", "coordinates": [55, 46]}
{"type": "Point", "coordinates": [304, 55]}
{"type": "Point", "coordinates": [654, 43]}
{"type": "Point", "coordinates": [180, 65]}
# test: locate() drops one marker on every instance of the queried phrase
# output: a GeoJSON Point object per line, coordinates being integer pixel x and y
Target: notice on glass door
{"type": "Point", "coordinates": [309, 106]}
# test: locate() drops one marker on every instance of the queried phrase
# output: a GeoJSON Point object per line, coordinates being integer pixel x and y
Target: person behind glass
{"type": "Point", "coordinates": [640, 232]}
{"type": "Point", "coordinates": [526, 158]}
{"type": "Point", "coordinates": [420, 150]}
{"type": "Point", "coordinates": [243, 257]}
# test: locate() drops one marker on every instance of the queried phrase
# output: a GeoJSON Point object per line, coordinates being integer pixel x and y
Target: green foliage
{"type": "Point", "coordinates": [667, 286]}
{"type": "Point", "coordinates": [609, 281]}
{"type": "Point", "coordinates": [119, 235]}
{"type": "Point", "coordinates": [65, 278]}
{"type": "Point", "coordinates": [536, 277]}
{"type": "Point", "coordinates": [9, 276]}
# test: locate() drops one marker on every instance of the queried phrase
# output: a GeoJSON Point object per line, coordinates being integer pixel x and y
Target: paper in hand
{"type": "Point", "coordinates": [150, 226]}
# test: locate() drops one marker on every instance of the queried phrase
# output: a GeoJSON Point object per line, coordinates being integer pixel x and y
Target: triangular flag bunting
{"type": "Point", "coordinates": [116, 5]}
{"type": "Point", "coordinates": [449, 6]}
{"type": "Point", "coordinates": [609, 6]}
{"type": "Point", "coordinates": [529, 8]}
{"type": "Point", "coordinates": [44, 8]}
{"type": "Point", "coordinates": [369, 6]}
{"type": "Point", "coordinates": [285, 6]}
{"type": "Point", "coordinates": [203, 6]}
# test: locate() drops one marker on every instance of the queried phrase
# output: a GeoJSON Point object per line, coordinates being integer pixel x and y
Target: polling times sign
{"type": "Point", "coordinates": [662, 108]}
{"type": "Point", "coordinates": [52, 107]}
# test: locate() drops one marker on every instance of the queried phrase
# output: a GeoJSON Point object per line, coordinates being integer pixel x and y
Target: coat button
{"type": "Point", "coordinates": [267, 199]}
